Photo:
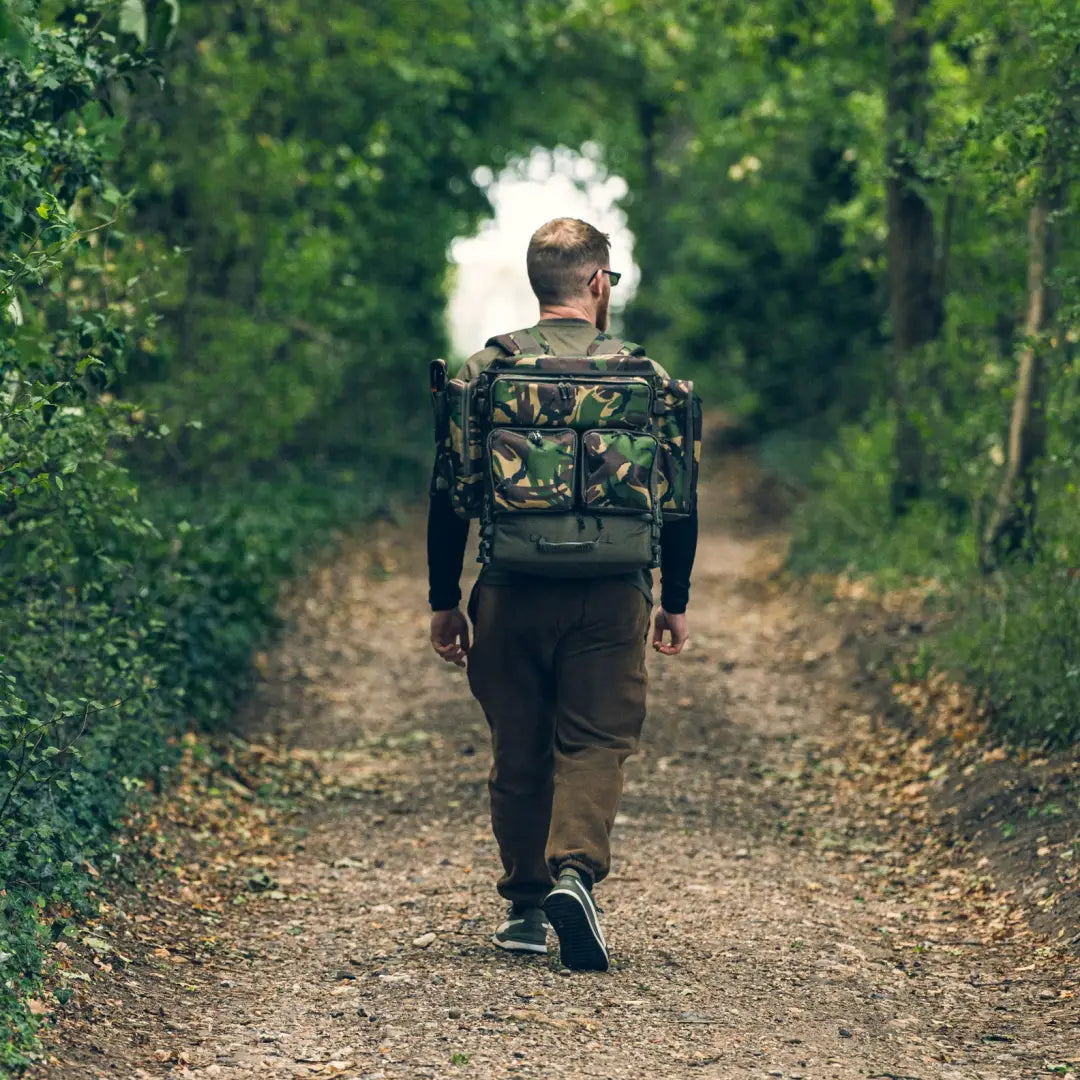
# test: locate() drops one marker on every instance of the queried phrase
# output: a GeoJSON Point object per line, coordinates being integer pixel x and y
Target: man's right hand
{"type": "Point", "coordinates": [675, 627]}
{"type": "Point", "coordinates": [450, 636]}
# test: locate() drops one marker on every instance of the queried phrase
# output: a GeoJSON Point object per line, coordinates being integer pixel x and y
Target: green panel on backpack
{"type": "Point", "coordinates": [620, 471]}
{"type": "Point", "coordinates": [533, 470]}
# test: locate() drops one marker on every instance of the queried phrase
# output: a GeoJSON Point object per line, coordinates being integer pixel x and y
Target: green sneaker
{"type": "Point", "coordinates": [572, 912]}
{"type": "Point", "coordinates": [525, 930]}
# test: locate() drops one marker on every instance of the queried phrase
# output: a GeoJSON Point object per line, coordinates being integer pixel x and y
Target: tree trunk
{"type": "Point", "coordinates": [652, 237]}
{"type": "Point", "coordinates": [1012, 521]}
{"type": "Point", "coordinates": [915, 307]}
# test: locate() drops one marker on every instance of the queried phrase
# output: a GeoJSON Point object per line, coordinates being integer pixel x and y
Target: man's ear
{"type": "Point", "coordinates": [596, 286]}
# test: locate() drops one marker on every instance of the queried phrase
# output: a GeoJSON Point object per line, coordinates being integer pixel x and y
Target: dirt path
{"type": "Point", "coordinates": [769, 913]}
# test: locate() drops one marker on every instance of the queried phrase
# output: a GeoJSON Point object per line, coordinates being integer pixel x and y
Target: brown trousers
{"type": "Point", "coordinates": [559, 669]}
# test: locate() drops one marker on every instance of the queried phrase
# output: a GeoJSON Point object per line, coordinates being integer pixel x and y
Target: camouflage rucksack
{"type": "Point", "coordinates": [571, 463]}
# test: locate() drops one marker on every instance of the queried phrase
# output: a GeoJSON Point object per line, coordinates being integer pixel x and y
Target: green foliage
{"type": "Point", "coordinates": [158, 639]}
{"type": "Point", "coordinates": [757, 284]}
{"type": "Point", "coordinates": [1017, 635]}
{"type": "Point", "coordinates": [1017, 642]}
{"type": "Point", "coordinates": [848, 525]}
{"type": "Point", "coordinates": [1003, 135]}
{"type": "Point", "coordinates": [1014, 636]}
{"type": "Point", "coordinates": [310, 164]}
{"type": "Point", "coordinates": [742, 130]}
{"type": "Point", "coordinates": [310, 167]}
{"type": "Point", "coordinates": [128, 611]}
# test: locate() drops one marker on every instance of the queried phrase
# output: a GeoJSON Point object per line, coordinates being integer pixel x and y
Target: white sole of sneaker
{"type": "Point", "coordinates": [519, 946]}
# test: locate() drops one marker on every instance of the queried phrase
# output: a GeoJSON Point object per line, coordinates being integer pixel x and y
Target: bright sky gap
{"type": "Point", "coordinates": [490, 292]}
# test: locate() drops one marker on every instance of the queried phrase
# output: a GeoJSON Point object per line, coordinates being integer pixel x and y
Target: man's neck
{"type": "Point", "coordinates": [567, 311]}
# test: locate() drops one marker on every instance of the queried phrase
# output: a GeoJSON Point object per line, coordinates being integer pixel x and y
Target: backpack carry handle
{"type": "Point", "coordinates": [570, 547]}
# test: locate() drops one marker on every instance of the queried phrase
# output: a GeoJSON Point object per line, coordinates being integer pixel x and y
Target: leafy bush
{"type": "Point", "coordinates": [1015, 636]}
{"type": "Point", "coordinates": [101, 670]}
{"type": "Point", "coordinates": [308, 167]}
{"type": "Point", "coordinates": [848, 523]}
{"type": "Point", "coordinates": [1018, 642]}
{"type": "Point", "coordinates": [129, 609]}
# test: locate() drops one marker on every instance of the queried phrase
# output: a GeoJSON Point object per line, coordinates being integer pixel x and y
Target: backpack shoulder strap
{"type": "Point", "coordinates": [531, 342]}
{"type": "Point", "coordinates": [613, 346]}
{"type": "Point", "coordinates": [505, 343]}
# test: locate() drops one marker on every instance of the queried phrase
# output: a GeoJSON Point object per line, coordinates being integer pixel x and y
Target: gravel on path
{"type": "Point", "coordinates": [769, 913]}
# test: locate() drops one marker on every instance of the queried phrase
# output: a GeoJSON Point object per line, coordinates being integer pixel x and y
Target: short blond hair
{"type": "Point", "coordinates": [562, 254]}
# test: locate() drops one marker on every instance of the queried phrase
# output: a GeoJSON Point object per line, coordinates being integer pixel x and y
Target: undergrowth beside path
{"type": "Point", "coordinates": [96, 692]}
{"type": "Point", "coordinates": [1012, 634]}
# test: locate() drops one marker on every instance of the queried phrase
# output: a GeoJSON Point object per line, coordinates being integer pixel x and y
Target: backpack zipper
{"type": "Point", "coordinates": [466, 416]}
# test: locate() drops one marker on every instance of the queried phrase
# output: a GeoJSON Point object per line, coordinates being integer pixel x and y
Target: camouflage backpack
{"type": "Point", "coordinates": [571, 463]}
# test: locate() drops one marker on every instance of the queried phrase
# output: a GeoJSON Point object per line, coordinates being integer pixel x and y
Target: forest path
{"type": "Point", "coordinates": [768, 912]}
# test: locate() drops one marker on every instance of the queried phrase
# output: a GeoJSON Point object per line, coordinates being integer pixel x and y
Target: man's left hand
{"type": "Point", "coordinates": [450, 636]}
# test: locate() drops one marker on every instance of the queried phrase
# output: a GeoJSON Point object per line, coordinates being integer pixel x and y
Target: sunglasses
{"type": "Point", "coordinates": [613, 276]}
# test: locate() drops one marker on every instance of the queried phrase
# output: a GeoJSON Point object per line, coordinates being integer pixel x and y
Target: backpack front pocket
{"type": "Point", "coordinates": [532, 470]}
{"type": "Point", "coordinates": [620, 471]}
{"type": "Point", "coordinates": [551, 401]}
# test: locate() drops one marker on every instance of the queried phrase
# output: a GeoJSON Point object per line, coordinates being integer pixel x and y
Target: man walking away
{"type": "Point", "coordinates": [578, 472]}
